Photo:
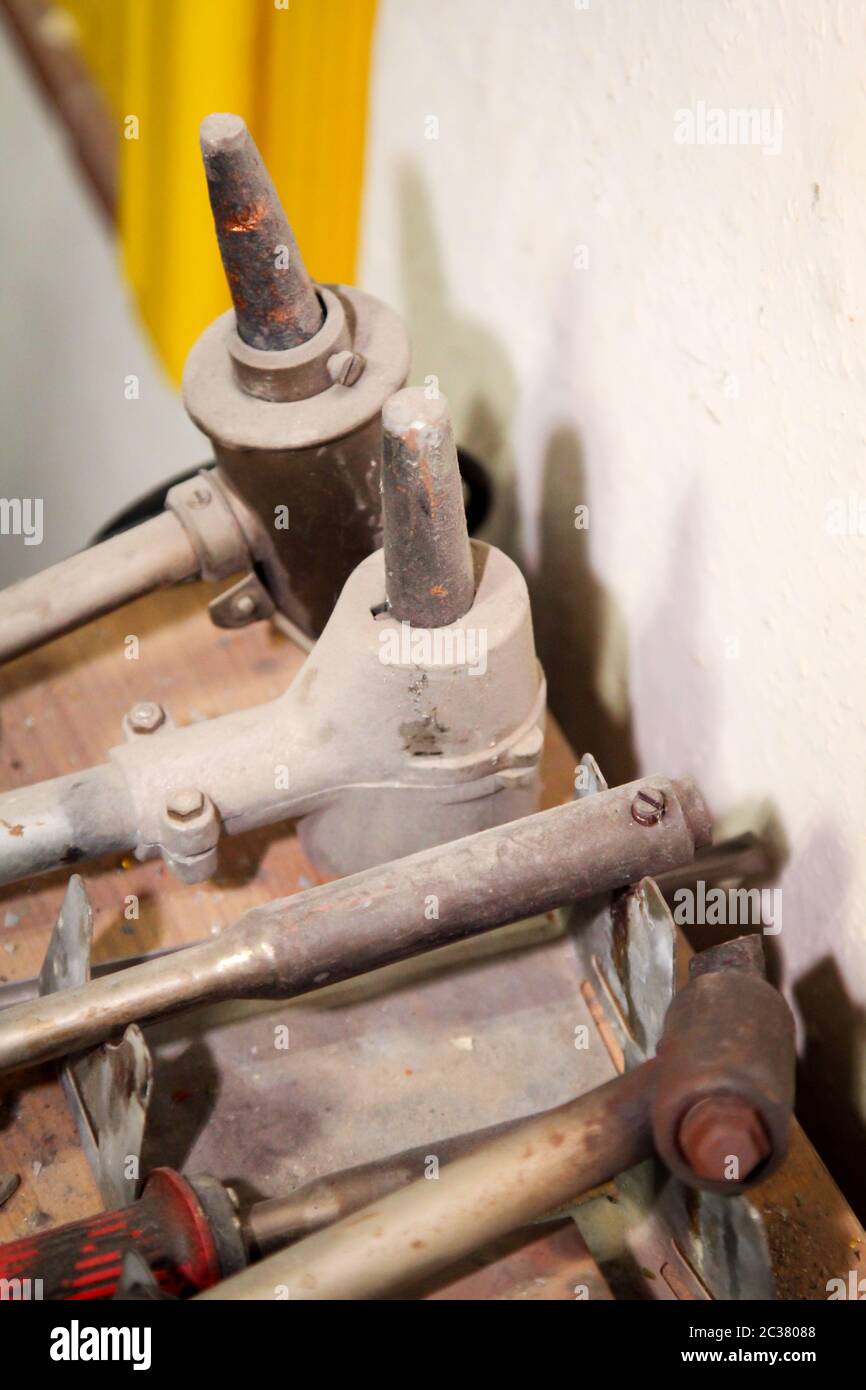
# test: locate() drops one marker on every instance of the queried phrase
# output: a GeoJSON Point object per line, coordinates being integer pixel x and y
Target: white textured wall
{"type": "Point", "coordinates": [68, 340]}
{"type": "Point", "coordinates": [701, 385]}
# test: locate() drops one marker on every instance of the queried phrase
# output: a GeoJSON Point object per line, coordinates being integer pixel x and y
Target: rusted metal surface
{"type": "Point", "coordinates": [812, 1234]}
{"type": "Point", "coordinates": [429, 578]}
{"type": "Point", "coordinates": [423, 1228]}
{"type": "Point", "coordinates": [553, 1267]}
{"type": "Point", "coordinates": [371, 919]}
{"type": "Point", "coordinates": [190, 1233]}
{"type": "Point", "coordinates": [278, 1221]}
{"type": "Point", "coordinates": [517, 1177]}
{"type": "Point", "coordinates": [728, 1034]}
{"type": "Point", "coordinates": [719, 1132]}
{"type": "Point", "coordinates": [375, 1065]}
{"type": "Point", "coordinates": [274, 298]}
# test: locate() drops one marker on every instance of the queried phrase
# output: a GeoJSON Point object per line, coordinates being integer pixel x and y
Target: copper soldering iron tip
{"type": "Point", "coordinates": [429, 577]}
{"type": "Point", "coordinates": [276, 305]}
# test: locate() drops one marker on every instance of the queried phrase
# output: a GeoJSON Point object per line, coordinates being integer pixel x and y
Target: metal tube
{"type": "Point", "coordinates": [79, 816]}
{"type": "Point", "coordinates": [429, 577]}
{"type": "Point", "coordinates": [94, 582]}
{"type": "Point", "coordinates": [276, 1222]}
{"type": "Point", "coordinates": [385, 914]}
{"type": "Point", "coordinates": [507, 1183]}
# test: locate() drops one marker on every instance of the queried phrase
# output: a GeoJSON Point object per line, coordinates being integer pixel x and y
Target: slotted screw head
{"type": "Point", "coordinates": [344, 368]}
{"type": "Point", "coordinates": [648, 806]}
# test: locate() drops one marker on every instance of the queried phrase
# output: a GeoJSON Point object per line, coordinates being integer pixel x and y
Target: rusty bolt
{"type": "Point", "coordinates": [720, 1129]}
{"type": "Point", "coordinates": [345, 367]}
{"type": "Point", "coordinates": [185, 803]}
{"type": "Point", "coordinates": [648, 806]}
{"type": "Point", "coordinates": [145, 717]}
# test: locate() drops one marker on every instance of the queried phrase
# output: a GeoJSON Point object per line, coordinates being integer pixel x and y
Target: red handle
{"type": "Point", "coordinates": [83, 1260]}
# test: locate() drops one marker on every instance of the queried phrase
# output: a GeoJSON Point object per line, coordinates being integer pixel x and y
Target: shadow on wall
{"type": "Point", "coordinates": [578, 625]}
{"type": "Point", "coordinates": [576, 621]}
{"type": "Point", "coordinates": [581, 637]}
{"type": "Point", "coordinates": [675, 683]}
{"type": "Point", "coordinates": [830, 1077]}
{"type": "Point", "coordinates": [831, 1086]}
{"type": "Point", "coordinates": [473, 369]}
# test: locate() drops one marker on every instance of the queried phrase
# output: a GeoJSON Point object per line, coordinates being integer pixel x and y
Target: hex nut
{"type": "Point", "coordinates": [146, 717]}
{"type": "Point", "coordinates": [719, 1129]}
{"type": "Point", "coordinates": [185, 803]}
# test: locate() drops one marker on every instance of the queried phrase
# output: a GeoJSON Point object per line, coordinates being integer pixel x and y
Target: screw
{"type": "Point", "coordinates": [146, 717]}
{"type": "Point", "coordinates": [200, 498]}
{"type": "Point", "coordinates": [344, 368]}
{"type": "Point", "coordinates": [720, 1129]}
{"type": "Point", "coordinates": [244, 606]}
{"type": "Point", "coordinates": [184, 804]}
{"type": "Point", "coordinates": [648, 806]}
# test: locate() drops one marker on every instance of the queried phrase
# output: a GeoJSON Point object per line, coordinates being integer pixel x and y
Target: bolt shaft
{"type": "Point", "coordinates": [276, 305]}
{"type": "Point", "coordinates": [428, 560]}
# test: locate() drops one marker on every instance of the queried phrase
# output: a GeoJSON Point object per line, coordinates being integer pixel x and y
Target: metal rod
{"type": "Point", "coordinates": [276, 305]}
{"type": "Point", "coordinates": [49, 824]}
{"type": "Point", "coordinates": [429, 576]}
{"type": "Point", "coordinates": [385, 914]}
{"type": "Point", "coordinates": [277, 1221]}
{"type": "Point", "coordinates": [412, 1233]}
{"type": "Point", "coordinates": [94, 582]}
{"type": "Point", "coordinates": [20, 991]}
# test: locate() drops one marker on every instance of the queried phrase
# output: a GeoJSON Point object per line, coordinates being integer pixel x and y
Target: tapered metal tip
{"type": "Point", "coordinates": [276, 305]}
{"type": "Point", "coordinates": [429, 576]}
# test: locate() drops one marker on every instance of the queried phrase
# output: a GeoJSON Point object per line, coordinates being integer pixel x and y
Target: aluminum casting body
{"type": "Point", "coordinates": [417, 746]}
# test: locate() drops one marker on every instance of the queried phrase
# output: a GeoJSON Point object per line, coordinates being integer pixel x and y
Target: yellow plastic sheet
{"type": "Point", "coordinates": [296, 70]}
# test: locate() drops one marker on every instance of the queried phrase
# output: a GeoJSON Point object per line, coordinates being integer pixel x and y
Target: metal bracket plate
{"type": "Point", "coordinates": [108, 1088]}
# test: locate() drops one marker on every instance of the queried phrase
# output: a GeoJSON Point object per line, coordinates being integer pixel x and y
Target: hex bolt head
{"type": "Point", "coordinates": [344, 368]}
{"type": "Point", "coordinates": [648, 806]}
{"type": "Point", "coordinates": [720, 1129]}
{"type": "Point", "coordinates": [185, 803]}
{"type": "Point", "coordinates": [146, 716]}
